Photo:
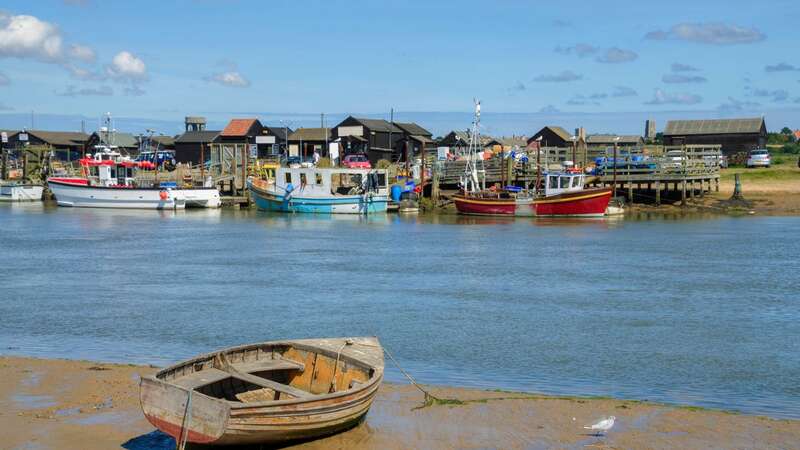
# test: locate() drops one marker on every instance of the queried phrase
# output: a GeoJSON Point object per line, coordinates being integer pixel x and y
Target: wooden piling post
{"type": "Point", "coordinates": [716, 185]}
{"type": "Point", "coordinates": [658, 192]}
{"type": "Point", "coordinates": [25, 165]}
{"type": "Point", "coordinates": [683, 192]}
{"type": "Point", "coordinates": [630, 191]}
{"type": "Point", "coordinates": [737, 189]}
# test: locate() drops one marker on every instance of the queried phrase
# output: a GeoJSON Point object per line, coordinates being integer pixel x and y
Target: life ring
{"type": "Point", "coordinates": [163, 195]}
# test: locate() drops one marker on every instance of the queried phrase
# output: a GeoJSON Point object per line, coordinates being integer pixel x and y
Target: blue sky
{"type": "Point", "coordinates": [580, 62]}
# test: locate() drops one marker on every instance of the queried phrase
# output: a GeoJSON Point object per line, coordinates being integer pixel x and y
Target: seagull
{"type": "Point", "coordinates": [602, 426]}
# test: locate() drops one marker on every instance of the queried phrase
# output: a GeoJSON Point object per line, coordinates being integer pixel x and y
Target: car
{"type": "Point", "coordinates": [674, 159]}
{"type": "Point", "coordinates": [356, 162]}
{"type": "Point", "coordinates": [758, 158]}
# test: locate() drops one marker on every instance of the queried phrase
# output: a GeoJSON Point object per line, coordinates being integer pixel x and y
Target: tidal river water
{"type": "Point", "coordinates": [697, 310]}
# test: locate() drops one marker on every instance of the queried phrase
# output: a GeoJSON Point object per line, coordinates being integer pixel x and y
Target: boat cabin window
{"type": "Point", "coordinates": [381, 179]}
{"type": "Point", "coordinates": [318, 178]}
{"type": "Point", "coordinates": [576, 182]}
{"type": "Point", "coordinates": [288, 177]}
{"type": "Point", "coordinates": [565, 182]}
{"type": "Point", "coordinates": [303, 179]}
{"type": "Point", "coordinates": [553, 182]}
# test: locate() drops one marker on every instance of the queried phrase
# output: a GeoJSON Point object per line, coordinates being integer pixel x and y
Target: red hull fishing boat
{"type": "Point", "coordinates": [560, 194]}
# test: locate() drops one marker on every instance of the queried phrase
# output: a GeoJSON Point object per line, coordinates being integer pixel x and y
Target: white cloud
{"type": "Point", "coordinates": [519, 86]}
{"type": "Point", "coordinates": [564, 76]}
{"type": "Point", "coordinates": [72, 91]}
{"type": "Point", "coordinates": [82, 53]}
{"type": "Point", "coordinates": [127, 67]}
{"type": "Point", "coordinates": [134, 91]}
{"type": "Point", "coordinates": [26, 36]}
{"type": "Point", "coordinates": [776, 95]}
{"type": "Point", "coordinates": [678, 67]}
{"type": "Point", "coordinates": [734, 105]}
{"type": "Point", "coordinates": [582, 50]}
{"type": "Point", "coordinates": [4, 80]}
{"type": "Point", "coordinates": [624, 91]}
{"type": "Point", "coordinates": [5, 107]}
{"type": "Point", "coordinates": [715, 33]}
{"type": "Point", "coordinates": [232, 79]}
{"type": "Point", "coordinates": [782, 67]}
{"type": "Point", "coordinates": [616, 55]}
{"type": "Point", "coordinates": [549, 109]}
{"type": "Point", "coordinates": [674, 78]}
{"type": "Point", "coordinates": [664, 98]}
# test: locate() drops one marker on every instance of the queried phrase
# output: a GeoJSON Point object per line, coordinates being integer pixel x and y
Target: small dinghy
{"type": "Point", "coordinates": [266, 393]}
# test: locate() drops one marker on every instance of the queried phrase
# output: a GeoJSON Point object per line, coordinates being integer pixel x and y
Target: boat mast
{"type": "Point", "coordinates": [474, 179]}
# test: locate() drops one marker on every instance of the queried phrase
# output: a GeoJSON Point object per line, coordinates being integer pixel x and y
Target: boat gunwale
{"type": "Point", "coordinates": [374, 381]}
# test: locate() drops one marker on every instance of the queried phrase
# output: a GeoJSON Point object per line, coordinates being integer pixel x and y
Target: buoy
{"type": "Point", "coordinates": [164, 195]}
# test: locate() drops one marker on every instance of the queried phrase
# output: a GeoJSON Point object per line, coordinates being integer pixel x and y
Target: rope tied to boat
{"type": "Point", "coordinates": [429, 398]}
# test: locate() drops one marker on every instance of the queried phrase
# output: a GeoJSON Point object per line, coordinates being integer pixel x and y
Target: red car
{"type": "Point", "coordinates": [356, 162]}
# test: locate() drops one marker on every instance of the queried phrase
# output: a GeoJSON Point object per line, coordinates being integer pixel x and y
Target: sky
{"type": "Point", "coordinates": [605, 65]}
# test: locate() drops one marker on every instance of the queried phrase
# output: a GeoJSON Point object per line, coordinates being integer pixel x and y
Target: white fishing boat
{"type": "Point", "coordinates": [110, 181]}
{"type": "Point", "coordinates": [20, 192]}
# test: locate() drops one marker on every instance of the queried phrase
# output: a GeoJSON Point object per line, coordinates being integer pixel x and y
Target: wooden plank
{"type": "Point", "coordinates": [212, 375]}
{"type": "Point", "coordinates": [265, 383]}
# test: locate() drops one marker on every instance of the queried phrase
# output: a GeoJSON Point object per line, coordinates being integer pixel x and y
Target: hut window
{"type": "Point", "coordinates": [288, 177]}
{"type": "Point", "coordinates": [318, 178]}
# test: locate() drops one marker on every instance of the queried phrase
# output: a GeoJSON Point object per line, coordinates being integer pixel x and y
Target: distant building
{"type": "Point", "coordinates": [192, 144]}
{"type": "Point", "coordinates": [377, 138]}
{"type": "Point", "coordinates": [649, 129]}
{"type": "Point", "coordinates": [458, 142]}
{"type": "Point", "coordinates": [734, 135]}
{"type": "Point", "coordinates": [418, 139]}
{"type": "Point", "coordinates": [164, 142]}
{"type": "Point", "coordinates": [67, 145]}
{"type": "Point", "coordinates": [274, 141]}
{"type": "Point", "coordinates": [195, 123]}
{"type": "Point", "coordinates": [304, 142]}
{"type": "Point", "coordinates": [552, 136]}
{"type": "Point", "coordinates": [608, 140]}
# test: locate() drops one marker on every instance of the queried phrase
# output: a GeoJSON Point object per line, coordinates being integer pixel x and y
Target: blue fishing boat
{"type": "Point", "coordinates": [322, 191]}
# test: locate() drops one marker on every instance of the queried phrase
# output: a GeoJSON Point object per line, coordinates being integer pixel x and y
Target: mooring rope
{"type": "Point", "coordinates": [428, 395]}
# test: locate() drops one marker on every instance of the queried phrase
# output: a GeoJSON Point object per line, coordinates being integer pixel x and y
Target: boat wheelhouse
{"type": "Point", "coordinates": [322, 191]}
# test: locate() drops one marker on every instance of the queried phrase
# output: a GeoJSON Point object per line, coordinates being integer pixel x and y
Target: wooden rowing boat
{"type": "Point", "coordinates": [266, 393]}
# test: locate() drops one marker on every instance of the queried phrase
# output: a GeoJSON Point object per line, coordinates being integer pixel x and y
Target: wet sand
{"type": "Point", "coordinates": [57, 404]}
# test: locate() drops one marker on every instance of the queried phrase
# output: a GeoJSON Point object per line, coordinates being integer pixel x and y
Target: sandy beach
{"type": "Point", "coordinates": [49, 404]}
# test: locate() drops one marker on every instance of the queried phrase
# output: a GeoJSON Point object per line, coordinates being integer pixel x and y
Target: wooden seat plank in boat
{"type": "Point", "coordinates": [269, 384]}
{"type": "Point", "coordinates": [212, 375]}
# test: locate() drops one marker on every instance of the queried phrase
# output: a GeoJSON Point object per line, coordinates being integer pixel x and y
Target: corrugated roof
{"type": "Point", "coordinates": [413, 129]}
{"type": "Point", "coordinates": [520, 141]}
{"type": "Point", "coordinates": [715, 126]}
{"type": "Point", "coordinates": [379, 125]}
{"type": "Point", "coordinates": [164, 140]}
{"type": "Point", "coordinates": [62, 138]}
{"type": "Point", "coordinates": [310, 134]}
{"type": "Point", "coordinates": [279, 132]}
{"type": "Point", "coordinates": [422, 139]}
{"type": "Point", "coordinates": [599, 139]}
{"type": "Point", "coordinates": [238, 127]}
{"type": "Point", "coordinates": [197, 137]}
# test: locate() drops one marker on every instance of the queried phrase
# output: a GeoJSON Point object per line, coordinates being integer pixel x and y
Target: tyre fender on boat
{"type": "Point", "coordinates": [163, 195]}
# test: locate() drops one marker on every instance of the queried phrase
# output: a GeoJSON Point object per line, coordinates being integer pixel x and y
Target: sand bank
{"type": "Point", "coordinates": [57, 404]}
